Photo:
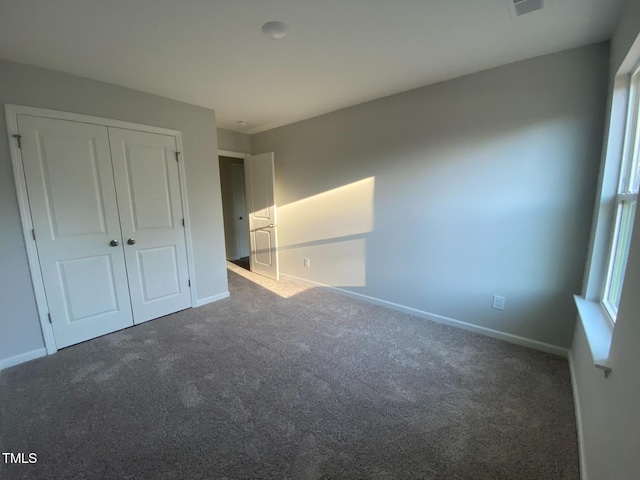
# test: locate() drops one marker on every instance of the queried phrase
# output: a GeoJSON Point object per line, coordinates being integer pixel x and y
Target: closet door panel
{"type": "Point", "coordinates": [150, 205]}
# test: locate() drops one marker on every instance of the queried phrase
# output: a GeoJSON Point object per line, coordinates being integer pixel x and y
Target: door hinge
{"type": "Point", "coordinates": [177, 156]}
{"type": "Point", "coordinates": [189, 282]}
{"type": "Point", "coordinates": [33, 234]}
{"type": "Point", "coordinates": [183, 222]}
{"type": "Point", "coordinates": [49, 315]}
{"type": "Point", "coordinates": [19, 138]}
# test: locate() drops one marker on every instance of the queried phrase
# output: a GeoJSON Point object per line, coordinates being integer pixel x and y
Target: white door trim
{"type": "Point", "coordinates": [11, 113]}
{"type": "Point", "coordinates": [229, 153]}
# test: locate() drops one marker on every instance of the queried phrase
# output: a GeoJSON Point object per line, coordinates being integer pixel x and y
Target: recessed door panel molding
{"type": "Point", "coordinates": [65, 159]}
{"type": "Point", "coordinates": [149, 190]}
{"type": "Point", "coordinates": [262, 191]}
{"type": "Point", "coordinates": [105, 221]}
{"type": "Point", "coordinates": [88, 300]}
{"type": "Point", "coordinates": [263, 248]}
{"type": "Point", "coordinates": [149, 200]}
{"type": "Point", "coordinates": [159, 275]}
{"type": "Point", "coordinates": [67, 169]}
{"type": "Point", "coordinates": [263, 226]}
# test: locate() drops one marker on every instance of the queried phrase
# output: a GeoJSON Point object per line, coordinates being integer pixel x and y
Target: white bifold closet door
{"type": "Point", "coordinates": [107, 217]}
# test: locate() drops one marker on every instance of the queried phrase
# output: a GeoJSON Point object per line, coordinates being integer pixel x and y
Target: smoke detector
{"type": "Point", "coordinates": [275, 30]}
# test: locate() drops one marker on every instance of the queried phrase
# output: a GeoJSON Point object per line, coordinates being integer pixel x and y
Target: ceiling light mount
{"type": "Point", "coordinates": [275, 30]}
{"type": "Point", "coordinates": [243, 123]}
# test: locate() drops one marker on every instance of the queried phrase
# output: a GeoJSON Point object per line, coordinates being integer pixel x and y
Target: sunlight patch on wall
{"type": "Point", "coordinates": [329, 229]}
{"type": "Point", "coordinates": [341, 212]}
{"type": "Point", "coordinates": [335, 263]}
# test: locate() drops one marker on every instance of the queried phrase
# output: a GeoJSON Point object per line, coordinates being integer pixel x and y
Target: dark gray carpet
{"type": "Point", "coordinates": [288, 382]}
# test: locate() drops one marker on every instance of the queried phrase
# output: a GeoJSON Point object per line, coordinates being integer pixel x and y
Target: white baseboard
{"type": "Point", "coordinates": [212, 299]}
{"type": "Point", "coordinates": [578, 410]}
{"type": "Point", "coordinates": [508, 337]}
{"type": "Point", "coordinates": [23, 357]}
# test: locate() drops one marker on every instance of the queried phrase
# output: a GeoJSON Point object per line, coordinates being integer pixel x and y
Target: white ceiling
{"type": "Point", "coordinates": [338, 52]}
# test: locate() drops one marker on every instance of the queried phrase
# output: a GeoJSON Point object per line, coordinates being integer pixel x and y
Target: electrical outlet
{"type": "Point", "coordinates": [498, 302]}
{"type": "Point", "coordinates": [307, 263]}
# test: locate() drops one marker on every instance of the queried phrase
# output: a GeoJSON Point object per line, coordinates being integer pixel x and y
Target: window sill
{"type": "Point", "coordinates": [598, 329]}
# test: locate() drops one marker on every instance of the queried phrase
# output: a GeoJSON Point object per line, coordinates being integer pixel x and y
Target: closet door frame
{"type": "Point", "coordinates": [11, 113]}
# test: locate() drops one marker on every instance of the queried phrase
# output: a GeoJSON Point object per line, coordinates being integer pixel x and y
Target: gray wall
{"type": "Point", "coordinates": [23, 85]}
{"type": "Point", "coordinates": [234, 141]}
{"type": "Point", "coordinates": [440, 197]}
{"type": "Point", "coordinates": [610, 408]}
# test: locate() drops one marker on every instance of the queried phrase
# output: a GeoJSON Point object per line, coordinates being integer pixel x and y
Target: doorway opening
{"type": "Point", "coordinates": [234, 210]}
{"type": "Point", "coordinates": [247, 184]}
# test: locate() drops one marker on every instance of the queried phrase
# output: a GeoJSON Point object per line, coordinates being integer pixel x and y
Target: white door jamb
{"type": "Point", "coordinates": [229, 153]}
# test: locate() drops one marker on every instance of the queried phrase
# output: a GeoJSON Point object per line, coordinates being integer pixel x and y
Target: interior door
{"type": "Point", "coordinates": [240, 208]}
{"type": "Point", "coordinates": [68, 172]}
{"type": "Point", "coordinates": [259, 173]}
{"type": "Point", "coordinates": [148, 189]}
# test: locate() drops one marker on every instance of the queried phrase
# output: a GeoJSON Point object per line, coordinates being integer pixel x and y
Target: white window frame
{"type": "Point", "coordinates": [625, 203]}
{"type": "Point", "coordinates": [596, 317]}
